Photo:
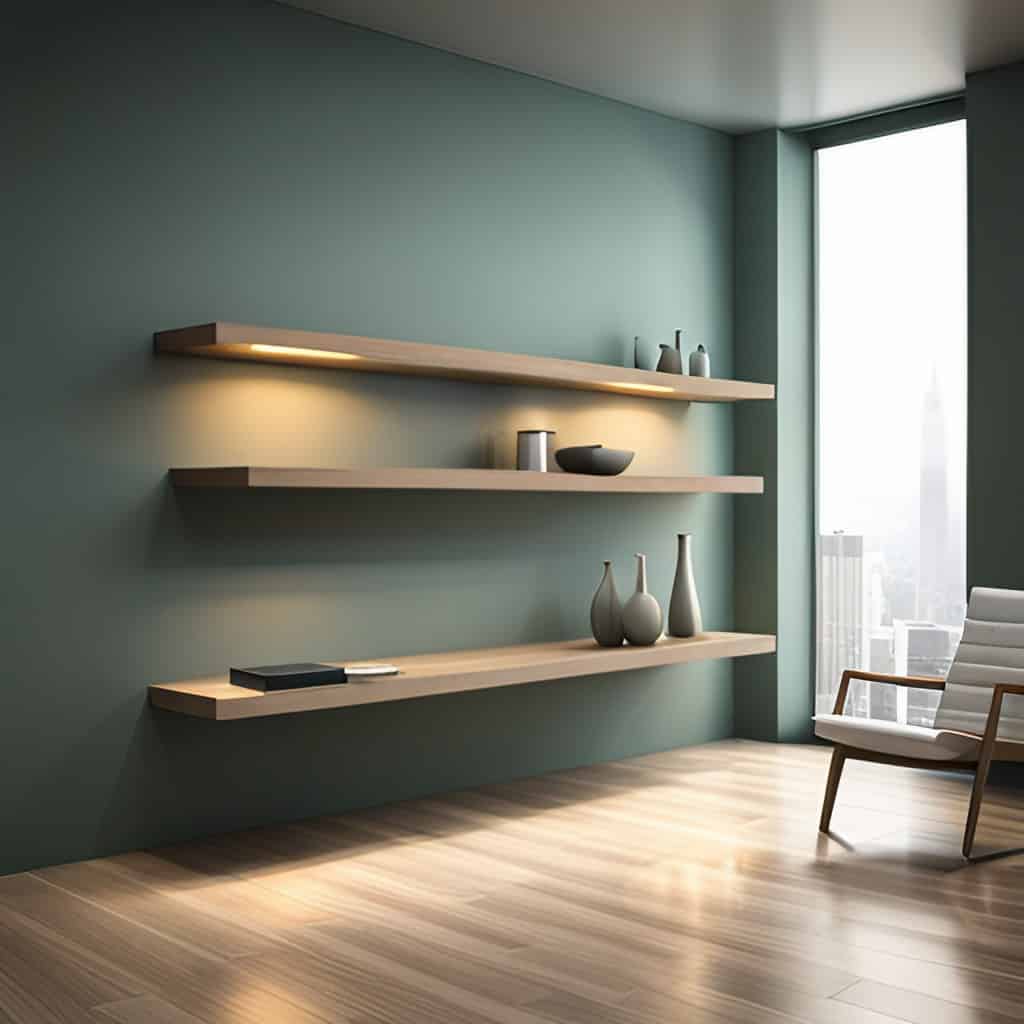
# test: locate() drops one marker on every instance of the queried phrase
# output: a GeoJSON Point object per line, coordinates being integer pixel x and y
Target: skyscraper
{"type": "Point", "coordinates": [844, 636]}
{"type": "Point", "coordinates": [935, 590]}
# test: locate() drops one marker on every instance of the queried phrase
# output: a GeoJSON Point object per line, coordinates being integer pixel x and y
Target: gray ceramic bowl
{"type": "Point", "coordinates": [594, 459]}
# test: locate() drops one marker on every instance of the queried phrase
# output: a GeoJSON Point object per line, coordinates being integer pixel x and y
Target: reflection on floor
{"type": "Point", "coordinates": [687, 886]}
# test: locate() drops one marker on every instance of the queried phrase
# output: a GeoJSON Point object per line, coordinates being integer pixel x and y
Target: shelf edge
{"type": "Point", "coordinates": [397, 478]}
{"type": "Point", "coordinates": [455, 672]}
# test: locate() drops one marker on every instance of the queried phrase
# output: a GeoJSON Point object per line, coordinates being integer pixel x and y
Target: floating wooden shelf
{"type": "Point", "coordinates": [425, 675]}
{"type": "Point", "coordinates": [349, 352]}
{"type": "Point", "coordinates": [397, 479]}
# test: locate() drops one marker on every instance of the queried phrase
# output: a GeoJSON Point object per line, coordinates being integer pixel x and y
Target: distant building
{"type": "Point", "coordinates": [940, 589]}
{"type": "Point", "coordinates": [842, 610]}
{"type": "Point", "coordinates": [882, 655]}
{"type": "Point", "coordinates": [875, 574]}
{"type": "Point", "coordinates": [921, 649]}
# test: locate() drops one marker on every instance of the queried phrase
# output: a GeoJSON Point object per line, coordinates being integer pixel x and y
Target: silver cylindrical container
{"type": "Point", "coordinates": [532, 450]}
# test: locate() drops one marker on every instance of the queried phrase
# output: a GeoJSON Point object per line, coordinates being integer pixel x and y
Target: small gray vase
{"type": "Point", "coordinates": [606, 612]}
{"type": "Point", "coordinates": [641, 360]}
{"type": "Point", "coordinates": [700, 363]}
{"type": "Point", "coordinates": [671, 359]}
{"type": "Point", "coordinates": [684, 608]}
{"type": "Point", "coordinates": [641, 618]}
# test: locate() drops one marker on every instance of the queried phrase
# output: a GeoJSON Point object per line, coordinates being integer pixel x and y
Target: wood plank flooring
{"type": "Point", "coordinates": [687, 886]}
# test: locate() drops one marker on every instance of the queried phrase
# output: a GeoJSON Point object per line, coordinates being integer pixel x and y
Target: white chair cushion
{"type": "Point", "coordinates": [990, 652]}
{"type": "Point", "coordinates": [900, 740]}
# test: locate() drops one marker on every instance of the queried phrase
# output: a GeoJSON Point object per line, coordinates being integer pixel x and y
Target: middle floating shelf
{"type": "Point", "coordinates": [399, 479]}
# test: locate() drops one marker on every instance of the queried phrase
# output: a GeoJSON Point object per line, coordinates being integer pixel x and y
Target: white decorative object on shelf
{"type": "Point", "coordinates": [700, 362]}
{"type": "Point", "coordinates": [641, 618]}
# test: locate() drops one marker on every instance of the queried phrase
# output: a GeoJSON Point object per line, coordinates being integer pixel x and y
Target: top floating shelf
{"type": "Point", "coordinates": [350, 352]}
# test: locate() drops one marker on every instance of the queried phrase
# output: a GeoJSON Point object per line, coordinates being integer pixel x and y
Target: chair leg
{"type": "Point", "coordinates": [835, 773]}
{"type": "Point", "coordinates": [977, 793]}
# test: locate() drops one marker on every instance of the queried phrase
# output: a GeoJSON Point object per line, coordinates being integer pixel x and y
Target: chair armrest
{"type": "Point", "coordinates": [915, 682]}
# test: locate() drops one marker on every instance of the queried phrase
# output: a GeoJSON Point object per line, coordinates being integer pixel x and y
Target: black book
{"type": "Point", "coordinates": [287, 677]}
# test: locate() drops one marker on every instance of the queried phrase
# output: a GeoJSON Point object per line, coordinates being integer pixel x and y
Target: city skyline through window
{"type": "Point", "coordinates": [892, 414]}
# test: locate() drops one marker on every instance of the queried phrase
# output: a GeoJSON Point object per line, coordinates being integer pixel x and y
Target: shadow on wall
{"type": "Point", "coordinates": [331, 840]}
{"type": "Point", "coordinates": [258, 576]}
{"type": "Point", "coordinates": [383, 528]}
{"type": "Point", "coordinates": [179, 777]}
{"type": "Point", "coordinates": [223, 412]}
{"type": "Point", "coordinates": [154, 583]}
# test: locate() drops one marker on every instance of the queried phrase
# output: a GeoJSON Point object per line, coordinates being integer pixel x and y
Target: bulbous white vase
{"type": "Point", "coordinates": [641, 618]}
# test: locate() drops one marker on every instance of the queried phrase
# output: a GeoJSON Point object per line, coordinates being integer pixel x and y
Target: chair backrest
{"type": "Point", "coordinates": [991, 651]}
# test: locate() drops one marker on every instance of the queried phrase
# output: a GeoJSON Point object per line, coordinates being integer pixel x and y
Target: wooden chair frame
{"type": "Point", "coordinates": [992, 749]}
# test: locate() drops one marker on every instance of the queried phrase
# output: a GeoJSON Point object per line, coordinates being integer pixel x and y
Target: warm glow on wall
{"type": "Point", "coordinates": [305, 353]}
{"type": "Point", "coordinates": [626, 386]}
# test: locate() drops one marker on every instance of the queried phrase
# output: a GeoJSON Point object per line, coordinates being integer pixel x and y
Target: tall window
{"type": "Point", "coordinates": [892, 414]}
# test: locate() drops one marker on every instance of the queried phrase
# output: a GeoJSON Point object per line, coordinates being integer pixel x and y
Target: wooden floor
{"type": "Point", "coordinates": [689, 886]}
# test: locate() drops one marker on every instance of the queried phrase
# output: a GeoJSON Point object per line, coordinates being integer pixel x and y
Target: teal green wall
{"type": "Point", "coordinates": [995, 352]}
{"type": "Point", "coordinates": [174, 165]}
{"type": "Point", "coordinates": [774, 288]}
{"type": "Point", "coordinates": [756, 425]}
{"type": "Point", "coordinates": [796, 434]}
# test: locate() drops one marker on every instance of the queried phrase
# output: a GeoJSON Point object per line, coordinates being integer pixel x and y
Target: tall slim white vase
{"type": "Point", "coordinates": [684, 617]}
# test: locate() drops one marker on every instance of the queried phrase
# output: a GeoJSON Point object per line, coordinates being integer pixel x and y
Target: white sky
{"type": "Point", "coordinates": [892, 299]}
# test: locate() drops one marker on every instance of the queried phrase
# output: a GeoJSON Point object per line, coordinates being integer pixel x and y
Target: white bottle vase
{"type": "Point", "coordinates": [700, 363]}
{"type": "Point", "coordinates": [684, 609]}
{"type": "Point", "coordinates": [641, 618]}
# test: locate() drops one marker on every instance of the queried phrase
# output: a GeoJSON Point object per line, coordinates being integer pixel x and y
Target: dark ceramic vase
{"type": "Point", "coordinates": [606, 612]}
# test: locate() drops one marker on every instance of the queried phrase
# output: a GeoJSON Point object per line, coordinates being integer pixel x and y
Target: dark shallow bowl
{"type": "Point", "coordinates": [594, 459]}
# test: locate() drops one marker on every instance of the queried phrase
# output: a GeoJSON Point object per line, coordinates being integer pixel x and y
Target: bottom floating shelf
{"type": "Point", "coordinates": [425, 675]}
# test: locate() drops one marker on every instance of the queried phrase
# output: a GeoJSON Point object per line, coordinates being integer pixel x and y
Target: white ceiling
{"type": "Point", "coordinates": [732, 64]}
